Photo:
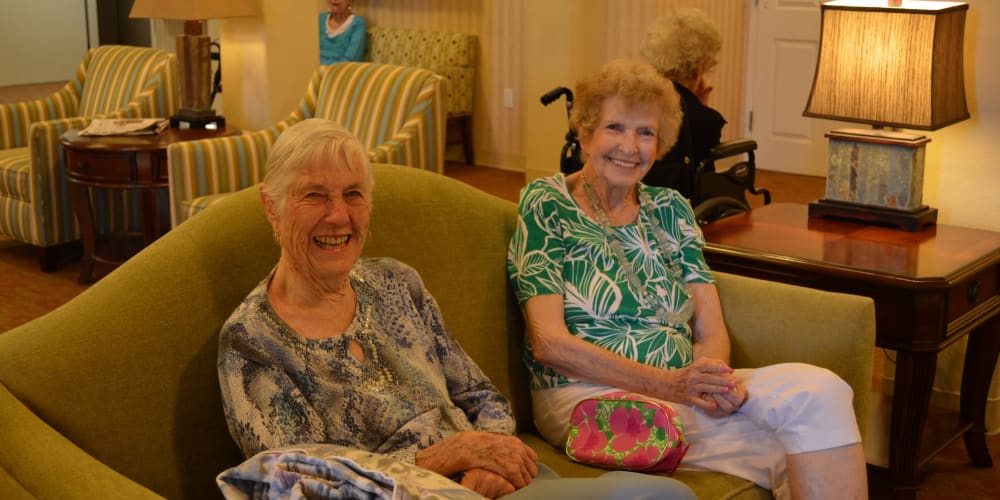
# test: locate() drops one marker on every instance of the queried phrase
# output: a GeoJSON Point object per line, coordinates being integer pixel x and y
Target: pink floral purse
{"type": "Point", "coordinates": [622, 430]}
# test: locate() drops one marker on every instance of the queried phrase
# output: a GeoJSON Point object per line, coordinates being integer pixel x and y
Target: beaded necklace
{"type": "Point", "coordinates": [373, 373]}
{"type": "Point", "coordinates": [663, 243]}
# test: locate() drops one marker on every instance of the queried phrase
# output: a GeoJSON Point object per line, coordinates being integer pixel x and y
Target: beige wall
{"type": "Point", "coordinates": [526, 46]}
{"type": "Point", "coordinates": [963, 177]}
{"type": "Point", "coordinates": [267, 61]}
{"type": "Point", "coordinates": [52, 32]}
{"type": "Point", "coordinates": [532, 46]}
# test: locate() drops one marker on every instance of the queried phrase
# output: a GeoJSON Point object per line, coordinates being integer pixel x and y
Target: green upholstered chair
{"type": "Point", "coordinates": [115, 394]}
{"type": "Point", "coordinates": [112, 81]}
{"type": "Point", "coordinates": [397, 112]}
{"type": "Point", "coordinates": [449, 54]}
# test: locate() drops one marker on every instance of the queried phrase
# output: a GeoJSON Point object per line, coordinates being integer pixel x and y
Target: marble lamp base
{"type": "Point", "coordinates": [876, 176]}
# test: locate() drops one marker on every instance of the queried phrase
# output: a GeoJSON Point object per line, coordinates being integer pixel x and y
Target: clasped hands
{"type": "Point", "coordinates": [708, 383]}
{"type": "Point", "coordinates": [491, 464]}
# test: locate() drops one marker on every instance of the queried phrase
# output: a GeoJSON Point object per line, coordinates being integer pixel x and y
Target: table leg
{"type": "Point", "coordinates": [79, 199]}
{"type": "Point", "coordinates": [150, 216]}
{"type": "Point", "coordinates": [910, 403]}
{"type": "Point", "coordinates": [980, 360]}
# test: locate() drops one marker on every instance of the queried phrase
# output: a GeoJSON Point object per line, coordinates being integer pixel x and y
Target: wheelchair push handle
{"type": "Point", "coordinates": [554, 94]}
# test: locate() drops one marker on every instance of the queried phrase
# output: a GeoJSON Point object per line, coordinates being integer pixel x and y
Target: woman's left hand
{"type": "Point", "coordinates": [725, 403]}
{"type": "Point", "coordinates": [501, 454]}
{"type": "Point", "coordinates": [486, 483]}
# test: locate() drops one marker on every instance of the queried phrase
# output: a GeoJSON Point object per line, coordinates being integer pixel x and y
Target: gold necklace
{"type": "Point", "coordinates": [373, 373]}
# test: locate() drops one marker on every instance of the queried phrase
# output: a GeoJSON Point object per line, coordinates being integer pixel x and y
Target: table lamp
{"type": "Point", "coordinates": [891, 64]}
{"type": "Point", "coordinates": [193, 52]}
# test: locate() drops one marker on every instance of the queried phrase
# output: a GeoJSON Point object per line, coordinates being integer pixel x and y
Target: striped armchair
{"type": "Point", "coordinates": [397, 112]}
{"type": "Point", "coordinates": [112, 81]}
{"type": "Point", "coordinates": [449, 54]}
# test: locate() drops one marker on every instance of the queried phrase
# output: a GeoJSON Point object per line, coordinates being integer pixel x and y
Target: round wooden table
{"type": "Point", "coordinates": [121, 162]}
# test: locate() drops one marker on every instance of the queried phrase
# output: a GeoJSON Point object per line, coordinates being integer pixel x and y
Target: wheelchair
{"type": "Point", "coordinates": [713, 195]}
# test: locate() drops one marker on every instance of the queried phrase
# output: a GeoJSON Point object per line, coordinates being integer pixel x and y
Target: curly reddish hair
{"type": "Point", "coordinates": [638, 84]}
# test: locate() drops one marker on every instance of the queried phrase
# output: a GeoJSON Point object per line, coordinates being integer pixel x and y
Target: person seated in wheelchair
{"type": "Point", "coordinates": [683, 47]}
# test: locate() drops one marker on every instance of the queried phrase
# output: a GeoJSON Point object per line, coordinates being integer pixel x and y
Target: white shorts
{"type": "Point", "coordinates": [792, 408]}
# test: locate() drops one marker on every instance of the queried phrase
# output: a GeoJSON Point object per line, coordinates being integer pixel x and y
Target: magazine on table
{"type": "Point", "coordinates": [125, 126]}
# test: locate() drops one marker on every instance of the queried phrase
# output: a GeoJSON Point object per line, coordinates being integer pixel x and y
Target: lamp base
{"type": "Point", "coordinates": [186, 118]}
{"type": "Point", "coordinates": [906, 220]}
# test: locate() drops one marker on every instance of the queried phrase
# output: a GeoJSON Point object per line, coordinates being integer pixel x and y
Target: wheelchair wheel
{"type": "Point", "coordinates": [717, 208]}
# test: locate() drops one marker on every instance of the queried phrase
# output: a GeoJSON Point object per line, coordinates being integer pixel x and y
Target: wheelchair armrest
{"type": "Point", "coordinates": [732, 148]}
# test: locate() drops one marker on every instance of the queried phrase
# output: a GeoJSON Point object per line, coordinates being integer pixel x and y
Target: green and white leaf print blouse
{"type": "Point", "coordinates": [557, 249]}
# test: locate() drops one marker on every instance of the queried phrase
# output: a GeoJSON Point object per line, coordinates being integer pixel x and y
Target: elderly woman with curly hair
{"type": "Point", "coordinates": [616, 294]}
{"type": "Point", "coordinates": [684, 46]}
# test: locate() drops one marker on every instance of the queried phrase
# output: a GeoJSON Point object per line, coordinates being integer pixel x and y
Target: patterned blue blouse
{"type": "Point", "coordinates": [415, 387]}
{"type": "Point", "coordinates": [557, 249]}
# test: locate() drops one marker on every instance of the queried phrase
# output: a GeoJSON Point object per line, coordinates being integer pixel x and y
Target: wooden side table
{"type": "Point", "coordinates": [120, 162]}
{"type": "Point", "coordinates": [931, 288]}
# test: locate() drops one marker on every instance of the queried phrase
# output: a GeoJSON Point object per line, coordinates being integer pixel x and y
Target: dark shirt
{"type": "Point", "coordinates": [700, 131]}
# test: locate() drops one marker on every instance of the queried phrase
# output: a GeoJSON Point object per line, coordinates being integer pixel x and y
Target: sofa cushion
{"type": "Point", "coordinates": [15, 174]}
{"type": "Point", "coordinates": [705, 484]}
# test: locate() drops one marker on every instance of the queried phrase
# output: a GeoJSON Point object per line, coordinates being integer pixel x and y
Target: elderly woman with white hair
{"type": "Point", "coordinates": [684, 47]}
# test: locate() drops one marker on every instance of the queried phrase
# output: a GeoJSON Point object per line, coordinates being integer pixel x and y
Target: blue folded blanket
{"type": "Point", "coordinates": [333, 472]}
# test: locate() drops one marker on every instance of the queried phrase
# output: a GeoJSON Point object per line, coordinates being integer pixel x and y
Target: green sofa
{"type": "Point", "coordinates": [115, 395]}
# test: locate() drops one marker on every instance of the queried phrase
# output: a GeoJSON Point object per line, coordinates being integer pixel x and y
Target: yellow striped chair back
{"type": "Point", "coordinates": [112, 81]}
{"type": "Point", "coordinates": [375, 101]}
{"type": "Point", "coordinates": [396, 112]}
{"type": "Point", "coordinates": [128, 78]}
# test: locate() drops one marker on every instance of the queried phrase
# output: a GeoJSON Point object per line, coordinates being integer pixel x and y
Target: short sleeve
{"type": "Point", "coordinates": [537, 248]}
{"type": "Point", "coordinates": [677, 217]}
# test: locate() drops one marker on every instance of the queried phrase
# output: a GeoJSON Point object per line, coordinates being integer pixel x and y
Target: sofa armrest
{"type": "Point", "coordinates": [47, 465]}
{"type": "Point", "coordinates": [408, 146]}
{"type": "Point", "coordinates": [772, 322]}
{"type": "Point", "coordinates": [16, 118]}
{"type": "Point", "coordinates": [48, 181]}
{"type": "Point", "coordinates": [215, 166]}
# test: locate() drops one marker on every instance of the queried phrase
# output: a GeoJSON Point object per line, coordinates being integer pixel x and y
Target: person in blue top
{"type": "Point", "coordinates": [341, 34]}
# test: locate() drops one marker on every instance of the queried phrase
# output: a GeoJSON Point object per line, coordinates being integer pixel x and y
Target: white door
{"type": "Point", "coordinates": [784, 41]}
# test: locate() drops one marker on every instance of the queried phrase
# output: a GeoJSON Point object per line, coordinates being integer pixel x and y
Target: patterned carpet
{"type": "Point", "coordinates": [28, 293]}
